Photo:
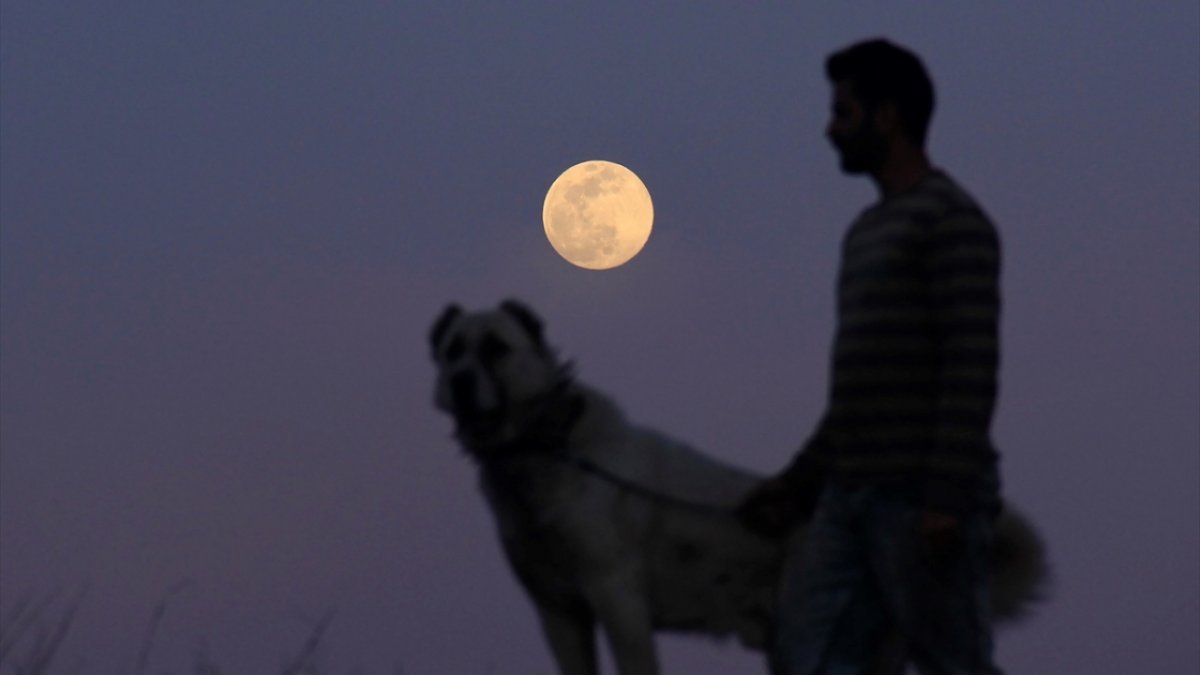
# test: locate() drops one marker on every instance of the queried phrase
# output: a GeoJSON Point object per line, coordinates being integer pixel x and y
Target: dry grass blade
{"type": "Point", "coordinates": [204, 663]}
{"type": "Point", "coordinates": [15, 625]}
{"type": "Point", "coordinates": [49, 640]}
{"type": "Point", "coordinates": [303, 663]}
{"type": "Point", "coordinates": [160, 609]}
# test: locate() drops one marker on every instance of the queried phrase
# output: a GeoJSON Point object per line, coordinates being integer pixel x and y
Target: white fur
{"type": "Point", "coordinates": [587, 541]}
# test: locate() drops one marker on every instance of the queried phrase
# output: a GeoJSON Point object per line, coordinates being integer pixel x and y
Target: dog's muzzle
{"type": "Point", "coordinates": [462, 393]}
{"type": "Point", "coordinates": [478, 408]}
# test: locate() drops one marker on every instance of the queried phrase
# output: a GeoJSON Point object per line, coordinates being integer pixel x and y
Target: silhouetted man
{"type": "Point", "coordinates": [900, 477]}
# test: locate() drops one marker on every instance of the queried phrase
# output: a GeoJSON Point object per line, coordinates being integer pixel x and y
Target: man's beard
{"type": "Point", "coordinates": [862, 151]}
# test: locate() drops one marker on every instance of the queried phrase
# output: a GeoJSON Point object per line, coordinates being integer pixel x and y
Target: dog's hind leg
{"type": "Point", "coordinates": [572, 639]}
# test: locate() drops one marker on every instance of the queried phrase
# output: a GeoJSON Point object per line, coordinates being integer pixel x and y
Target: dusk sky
{"type": "Point", "coordinates": [227, 227]}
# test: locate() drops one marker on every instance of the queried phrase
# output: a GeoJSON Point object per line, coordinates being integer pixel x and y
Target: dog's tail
{"type": "Point", "coordinates": [1020, 567]}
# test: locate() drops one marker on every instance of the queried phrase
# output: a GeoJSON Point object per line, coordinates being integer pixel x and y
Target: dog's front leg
{"type": "Point", "coordinates": [625, 618]}
{"type": "Point", "coordinates": [572, 640]}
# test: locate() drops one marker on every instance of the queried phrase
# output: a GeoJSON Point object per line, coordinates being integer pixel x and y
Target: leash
{"type": "Point", "coordinates": [558, 413]}
{"type": "Point", "coordinates": [627, 485]}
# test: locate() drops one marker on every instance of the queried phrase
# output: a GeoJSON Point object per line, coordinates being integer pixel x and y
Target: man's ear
{"type": "Point", "coordinates": [887, 118]}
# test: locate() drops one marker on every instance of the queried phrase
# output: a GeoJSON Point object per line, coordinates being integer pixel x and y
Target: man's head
{"type": "Point", "coordinates": [882, 94]}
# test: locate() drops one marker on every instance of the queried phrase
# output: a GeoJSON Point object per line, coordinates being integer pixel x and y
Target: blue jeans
{"type": "Point", "coordinates": [865, 592]}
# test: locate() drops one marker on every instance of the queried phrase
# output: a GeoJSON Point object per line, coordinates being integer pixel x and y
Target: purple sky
{"type": "Point", "coordinates": [227, 227]}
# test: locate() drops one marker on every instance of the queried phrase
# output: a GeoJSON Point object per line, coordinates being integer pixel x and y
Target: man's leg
{"type": "Point", "coordinates": [936, 589]}
{"type": "Point", "coordinates": [829, 617]}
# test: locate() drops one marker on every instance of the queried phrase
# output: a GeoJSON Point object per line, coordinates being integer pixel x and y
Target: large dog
{"type": "Point", "coordinates": [609, 523]}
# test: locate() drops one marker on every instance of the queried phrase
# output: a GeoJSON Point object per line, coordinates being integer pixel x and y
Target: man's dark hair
{"type": "Point", "coordinates": [879, 71]}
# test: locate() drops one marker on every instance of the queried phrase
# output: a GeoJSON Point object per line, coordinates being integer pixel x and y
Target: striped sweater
{"type": "Point", "coordinates": [916, 352]}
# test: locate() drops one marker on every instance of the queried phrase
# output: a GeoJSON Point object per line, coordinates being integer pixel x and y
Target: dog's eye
{"type": "Point", "coordinates": [493, 348]}
{"type": "Point", "coordinates": [456, 350]}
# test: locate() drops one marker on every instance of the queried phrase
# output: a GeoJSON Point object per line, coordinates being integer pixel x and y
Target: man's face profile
{"type": "Point", "coordinates": [853, 133]}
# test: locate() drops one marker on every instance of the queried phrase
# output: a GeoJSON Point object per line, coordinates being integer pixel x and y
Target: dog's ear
{"type": "Point", "coordinates": [442, 324]}
{"type": "Point", "coordinates": [527, 318]}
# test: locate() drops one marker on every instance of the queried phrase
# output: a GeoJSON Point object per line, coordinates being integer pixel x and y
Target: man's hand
{"type": "Point", "coordinates": [773, 508]}
{"type": "Point", "coordinates": [941, 536]}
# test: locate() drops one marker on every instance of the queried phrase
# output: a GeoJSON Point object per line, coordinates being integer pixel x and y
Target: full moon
{"type": "Point", "coordinates": [598, 215]}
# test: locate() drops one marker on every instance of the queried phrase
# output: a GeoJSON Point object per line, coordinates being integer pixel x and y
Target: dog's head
{"type": "Point", "coordinates": [495, 372]}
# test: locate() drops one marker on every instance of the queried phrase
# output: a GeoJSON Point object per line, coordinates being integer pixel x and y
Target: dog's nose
{"type": "Point", "coordinates": [462, 388]}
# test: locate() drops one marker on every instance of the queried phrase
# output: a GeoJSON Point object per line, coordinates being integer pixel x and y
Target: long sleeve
{"type": "Point", "coordinates": [964, 268]}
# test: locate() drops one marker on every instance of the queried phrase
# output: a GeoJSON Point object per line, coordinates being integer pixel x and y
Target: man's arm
{"type": "Point", "coordinates": [780, 502]}
{"type": "Point", "coordinates": [964, 271]}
